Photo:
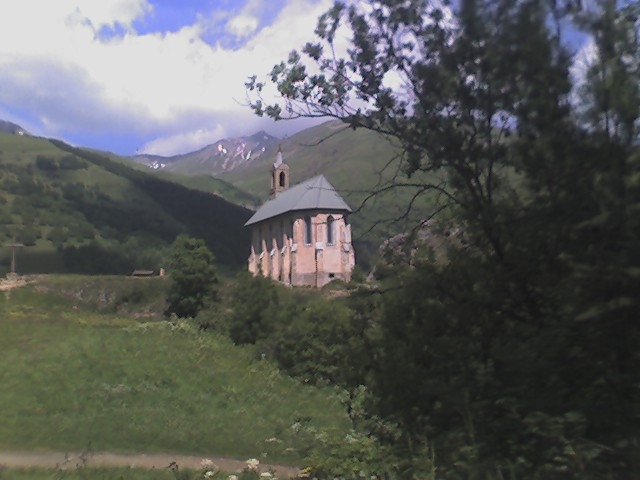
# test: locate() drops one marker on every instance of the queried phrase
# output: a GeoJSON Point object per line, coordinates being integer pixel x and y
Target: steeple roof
{"type": "Point", "coordinates": [279, 161]}
{"type": "Point", "coordinates": [313, 194]}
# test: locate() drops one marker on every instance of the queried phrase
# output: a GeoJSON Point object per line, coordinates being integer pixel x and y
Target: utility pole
{"type": "Point", "coordinates": [13, 247]}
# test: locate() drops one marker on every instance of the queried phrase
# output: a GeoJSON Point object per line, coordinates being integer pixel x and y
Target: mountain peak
{"type": "Point", "coordinates": [219, 157]}
{"type": "Point", "coordinates": [12, 128]}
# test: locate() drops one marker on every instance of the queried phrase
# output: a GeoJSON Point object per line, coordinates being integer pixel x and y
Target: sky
{"type": "Point", "coordinates": [145, 76]}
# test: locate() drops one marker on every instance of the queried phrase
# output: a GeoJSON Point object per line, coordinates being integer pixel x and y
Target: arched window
{"type": "Point", "coordinates": [308, 232]}
{"type": "Point", "coordinates": [330, 231]}
{"type": "Point", "coordinates": [282, 178]}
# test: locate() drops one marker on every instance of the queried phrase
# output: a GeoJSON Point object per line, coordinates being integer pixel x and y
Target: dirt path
{"type": "Point", "coordinates": [70, 460]}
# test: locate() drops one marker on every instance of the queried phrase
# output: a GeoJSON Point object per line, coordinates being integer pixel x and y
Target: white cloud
{"type": "Point", "coordinates": [242, 25]}
{"type": "Point", "coordinates": [183, 142]}
{"type": "Point", "coordinates": [167, 84]}
{"type": "Point", "coordinates": [247, 21]}
{"type": "Point", "coordinates": [110, 13]}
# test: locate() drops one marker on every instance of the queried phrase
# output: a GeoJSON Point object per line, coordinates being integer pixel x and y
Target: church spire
{"type": "Point", "coordinates": [279, 175]}
{"type": "Point", "coordinates": [279, 160]}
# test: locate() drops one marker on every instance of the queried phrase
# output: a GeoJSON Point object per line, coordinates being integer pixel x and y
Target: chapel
{"type": "Point", "coordinates": [301, 235]}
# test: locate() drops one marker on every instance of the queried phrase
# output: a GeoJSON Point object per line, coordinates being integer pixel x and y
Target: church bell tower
{"type": "Point", "coordinates": [279, 175]}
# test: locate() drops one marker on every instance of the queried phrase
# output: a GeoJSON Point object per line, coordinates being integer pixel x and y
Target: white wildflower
{"type": "Point", "coordinates": [210, 474]}
{"type": "Point", "coordinates": [266, 475]}
{"type": "Point", "coordinates": [232, 477]}
{"type": "Point", "coordinates": [252, 464]}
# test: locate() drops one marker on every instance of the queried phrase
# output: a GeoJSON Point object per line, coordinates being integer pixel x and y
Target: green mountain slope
{"type": "Point", "coordinates": [84, 211]}
{"type": "Point", "coordinates": [357, 163]}
{"type": "Point", "coordinates": [210, 184]}
{"type": "Point", "coordinates": [200, 181]}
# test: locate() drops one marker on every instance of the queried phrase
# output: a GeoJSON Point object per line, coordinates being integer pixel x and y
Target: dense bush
{"type": "Point", "coordinates": [254, 300]}
{"type": "Point", "coordinates": [314, 340]}
{"type": "Point", "coordinates": [309, 334]}
{"type": "Point", "coordinates": [193, 277]}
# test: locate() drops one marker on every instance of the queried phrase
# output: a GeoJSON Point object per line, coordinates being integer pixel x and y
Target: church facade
{"type": "Point", "coordinates": [301, 235]}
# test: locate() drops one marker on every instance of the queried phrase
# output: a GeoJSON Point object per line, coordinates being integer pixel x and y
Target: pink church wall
{"type": "Point", "coordinates": [279, 249]}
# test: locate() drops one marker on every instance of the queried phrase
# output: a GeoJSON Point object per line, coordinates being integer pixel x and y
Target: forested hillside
{"type": "Point", "coordinates": [82, 211]}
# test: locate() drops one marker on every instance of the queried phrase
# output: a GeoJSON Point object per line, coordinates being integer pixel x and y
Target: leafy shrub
{"type": "Point", "coordinates": [356, 455]}
{"type": "Point", "coordinates": [313, 335]}
{"type": "Point", "coordinates": [315, 340]}
{"type": "Point", "coordinates": [252, 301]}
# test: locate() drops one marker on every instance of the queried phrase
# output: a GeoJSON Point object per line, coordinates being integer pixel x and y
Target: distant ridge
{"type": "Point", "coordinates": [214, 159]}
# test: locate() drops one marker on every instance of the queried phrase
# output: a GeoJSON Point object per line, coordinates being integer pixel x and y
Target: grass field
{"type": "Point", "coordinates": [74, 378]}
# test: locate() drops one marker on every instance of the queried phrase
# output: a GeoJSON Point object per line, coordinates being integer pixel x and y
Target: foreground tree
{"type": "Point", "coordinates": [193, 277]}
{"type": "Point", "coordinates": [512, 355]}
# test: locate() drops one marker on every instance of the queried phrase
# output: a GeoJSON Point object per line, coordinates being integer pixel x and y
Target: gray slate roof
{"type": "Point", "coordinates": [313, 194]}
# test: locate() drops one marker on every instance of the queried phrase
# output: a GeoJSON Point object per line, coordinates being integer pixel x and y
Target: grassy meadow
{"type": "Point", "coordinates": [78, 376]}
